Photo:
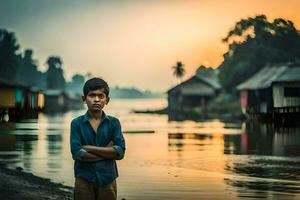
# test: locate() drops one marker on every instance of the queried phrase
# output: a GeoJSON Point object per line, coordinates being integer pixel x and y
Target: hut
{"type": "Point", "coordinates": [33, 102]}
{"type": "Point", "coordinates": [61, 101]}
{"type": "Point", "coordinates": [11, 94]}
{"type": "Point", "coordinates": [74, 101]}
{"type": "Point", "coordinates": [286, 97]}
{"type": "Point", "coordinates": [272, 89]}
{"type": "Point", "coordinates": [193, 94]}
{"type": "Point", "coordinates": [55, 101]}
{"type": "Point", "coordinates": [18, 100]}
{"type": "Point", "coordinates": [256, 92]}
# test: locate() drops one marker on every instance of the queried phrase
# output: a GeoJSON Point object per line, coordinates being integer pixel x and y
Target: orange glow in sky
{"type": "Point", "coordinates": [135, 43]}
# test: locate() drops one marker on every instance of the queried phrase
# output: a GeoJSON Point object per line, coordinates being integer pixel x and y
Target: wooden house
{"type": "Point", "coordinates": [55, 101]}
{"type": "Point", "coordinates": [192, 94]}
{"type": "Point", "coordinates": [18, 100]}
{"type": "Point", "coordinates": [286, 89]}
{"type": "Point", "coordinates": [11, 94]}
{"type": "Point", "coordinates": [286, 97]}
{"type": "Point", "coordinates": [256, 92]}
{"type": "Point", "coordinates": [273, 91]}
{"type": "Point", "coordinates": [74, 101]}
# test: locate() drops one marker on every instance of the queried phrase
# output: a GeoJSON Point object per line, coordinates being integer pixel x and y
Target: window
{"type": "Point", "coordinates": [292, 92]}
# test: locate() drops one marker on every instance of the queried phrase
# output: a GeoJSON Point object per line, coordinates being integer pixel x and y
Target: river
{"type": "Point", "coordinates": [167, 159]}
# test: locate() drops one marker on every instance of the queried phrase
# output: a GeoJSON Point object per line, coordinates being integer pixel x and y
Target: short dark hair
{"type": "Point", "coordinates": [94, 84]}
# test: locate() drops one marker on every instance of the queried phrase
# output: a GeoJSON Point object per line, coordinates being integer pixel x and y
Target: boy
{"type": "Point", "coordinates": [96, 142]}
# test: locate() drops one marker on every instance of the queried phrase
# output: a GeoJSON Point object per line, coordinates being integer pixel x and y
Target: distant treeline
{"type": "Point", "coordinates": [128, 93]}
{"type": "Point", "coordinates": [22, 68]}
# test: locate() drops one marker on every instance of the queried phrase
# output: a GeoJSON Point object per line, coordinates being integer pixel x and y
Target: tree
{"type": "Point", "coordinates": [207, 72]}
{"type": "Point", "coordinates": [76, 84]}
{"type": "Point", "coordinates": [55, 73]}
{"type": "Point", "coordinates": [27, 69]}
{"type": "Point", "coordinates": [255, 42]}
{"type": "Point", "coordinates": [8, 55]}
{"type": "Point", "coordinates": [178, 70]}
{"type": "Point", "coordinates": [78, 79]}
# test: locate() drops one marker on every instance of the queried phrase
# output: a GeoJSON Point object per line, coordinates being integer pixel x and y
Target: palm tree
{"type": "Point", "coordinates": [178, 70]}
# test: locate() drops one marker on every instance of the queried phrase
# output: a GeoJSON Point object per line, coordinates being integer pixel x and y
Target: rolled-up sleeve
{"type": "Point", "coordinates": [75, 142]}
{"type": "Point", "coordinates": [118, 140]}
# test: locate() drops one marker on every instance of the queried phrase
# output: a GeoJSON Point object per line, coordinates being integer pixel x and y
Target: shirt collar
{"type": "Point", "coordinates": [86, 117]}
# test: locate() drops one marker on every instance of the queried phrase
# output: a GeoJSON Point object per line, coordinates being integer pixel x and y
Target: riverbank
{"type": "Point", "coordinates": [16, 184]}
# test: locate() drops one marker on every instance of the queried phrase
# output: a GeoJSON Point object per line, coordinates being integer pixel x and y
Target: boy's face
{"type": "Point", "coordinates": [96, 100]}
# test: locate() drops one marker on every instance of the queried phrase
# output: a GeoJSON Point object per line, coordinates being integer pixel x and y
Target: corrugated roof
{"type": "Point", "coordinates": [291, 74]}
{"type": "Point", "coordinates": [264, 78]}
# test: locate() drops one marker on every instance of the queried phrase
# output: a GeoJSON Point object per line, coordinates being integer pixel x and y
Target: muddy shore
{"type": "Point", "coordinates": [16, 184]}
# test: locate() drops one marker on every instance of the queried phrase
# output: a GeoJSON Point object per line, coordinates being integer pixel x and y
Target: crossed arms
{"type": "Point", "coordinates": [89, 153]}
{"type": "Point", "coordinates": [94, 153]}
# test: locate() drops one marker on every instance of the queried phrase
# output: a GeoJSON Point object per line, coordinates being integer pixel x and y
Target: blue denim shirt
{"type": "Point", "coordinates": [109, 132]}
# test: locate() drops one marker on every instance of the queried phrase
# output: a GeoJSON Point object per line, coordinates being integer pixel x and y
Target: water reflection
{"type": "Point", "coordinates": [178, 160]}
{"type": "Point", "coordinates": [188, 141]}
{"type": "Point", "coordinates": [260, 158]}
{"type": "Point", "coordinates": [263, 139]}
{"type": "Point", "coordinates": [271, 161]}
{"type": "Point", "coordinates": [7, 142]}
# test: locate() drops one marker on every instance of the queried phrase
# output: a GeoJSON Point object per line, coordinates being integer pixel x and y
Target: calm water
{"type": "Point", "coordinates": [180, 160]}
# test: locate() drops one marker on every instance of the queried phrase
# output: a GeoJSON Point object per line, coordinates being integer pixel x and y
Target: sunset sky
{"type": "Point", "coordinates": [133, 43]}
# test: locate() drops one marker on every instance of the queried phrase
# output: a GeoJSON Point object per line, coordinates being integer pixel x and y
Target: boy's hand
{"type": "Point", "coordinates": [108, 151]}
{"type": "Point", "coordinates": [91, 147]}
{"type": "Point", "coordinates": [88, 147]}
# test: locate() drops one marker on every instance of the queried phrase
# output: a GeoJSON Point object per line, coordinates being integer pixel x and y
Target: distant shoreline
{"type": "Point", "coordinates": [208, 115]}
{"type": "Point", "coordinates": [17, 184]}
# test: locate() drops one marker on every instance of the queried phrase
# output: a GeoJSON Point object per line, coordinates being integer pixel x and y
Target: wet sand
{"type": "Point", "coordinates": [16, 184]}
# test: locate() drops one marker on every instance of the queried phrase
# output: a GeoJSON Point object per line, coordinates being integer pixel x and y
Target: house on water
{"type": "Point", "coordinates": [192, 95]}
{"type": "Point", "coordinates": [55, 101]}
{"type": "Point", "coordinates": [286, 97]}
{"type": "Point", "coordinates": [18, 100]}
{"type": "Point", "coordinates": [60, 101]}
{"type": "Point", "coordinates": [271, 91]}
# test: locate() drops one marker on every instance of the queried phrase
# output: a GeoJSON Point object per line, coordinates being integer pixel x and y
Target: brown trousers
{"type": "Point", "coordinates": [85, 190]}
